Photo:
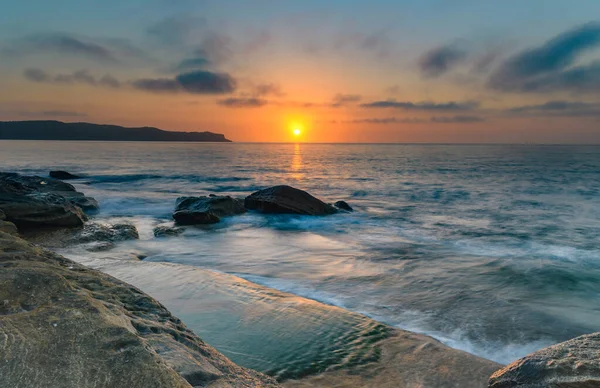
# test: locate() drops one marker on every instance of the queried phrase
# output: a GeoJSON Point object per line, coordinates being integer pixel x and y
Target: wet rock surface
{"type": "Point", "coordinates": [65, 325]}
{"type": "Point", "coordinates": [206, 210]}
{"type": "Point", "coordinates": [343, 205]}
{"type": "Point", "coordinates": [287, 200]}
{"type": "Point", "coordinates": [167, 231]}
{"type": "Point", "coordinates": [31, 201]}
{"type": "Point", "coordinates": [571, 364]}
{"type": "Point", "coordinates": [63, 175]}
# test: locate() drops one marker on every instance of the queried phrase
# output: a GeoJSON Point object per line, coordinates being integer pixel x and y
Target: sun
{"type": "Point", "coordinates": [297, 132]}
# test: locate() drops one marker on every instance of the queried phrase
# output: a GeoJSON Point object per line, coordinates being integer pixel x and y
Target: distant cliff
{"type": "Point", "coordinates": [56, 130]}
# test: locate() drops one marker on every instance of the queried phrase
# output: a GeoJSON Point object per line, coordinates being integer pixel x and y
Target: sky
{"type": "Point", "coordinates": [428, 71]}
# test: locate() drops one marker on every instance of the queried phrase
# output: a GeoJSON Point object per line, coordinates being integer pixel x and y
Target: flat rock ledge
{"type": "Point", "coordinates": [33, 202]}
{"type": "Point", "coordinates": [65, 325]}
{"type": "Point", "coordinates": [571, 364]}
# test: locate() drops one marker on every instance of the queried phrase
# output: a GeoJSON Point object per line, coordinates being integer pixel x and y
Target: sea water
{"type": "Point", "coordinates": [492, 249]}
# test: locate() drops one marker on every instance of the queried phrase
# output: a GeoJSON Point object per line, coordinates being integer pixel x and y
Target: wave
{"type": "Point", "coordinates": [414, 321]}
{"type": "Point", "coordinates": [124, 178]}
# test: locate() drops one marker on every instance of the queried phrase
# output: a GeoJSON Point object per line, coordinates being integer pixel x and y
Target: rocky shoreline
{"type": "Point", "coordinates": [70, 326]}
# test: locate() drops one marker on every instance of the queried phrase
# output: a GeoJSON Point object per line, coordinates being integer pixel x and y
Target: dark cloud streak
{"type": "Point", "coordinates": [425, 106]}
{"type": "Point", "coordinates": [440, 60]}
{"type": "Point", "coordinates": [548, 68]}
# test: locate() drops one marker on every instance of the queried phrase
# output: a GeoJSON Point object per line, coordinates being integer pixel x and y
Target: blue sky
{"type": "Point", "coordinates": [433, 70]}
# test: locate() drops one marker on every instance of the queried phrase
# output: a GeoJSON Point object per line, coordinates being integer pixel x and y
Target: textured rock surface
{"type": "Point", "coordinates": [97, 236]}
{"type": "Point", "coordinates": [206, 210]}
{"type": "Point", "coordinates": [287, 200]}
{"type": "Point", "coordinates": [8, 227]}
{"type": "Point", "coordinates": [64, 325]}
{"type": "Point", "coordinates": [343, 205]}
{"type": "Point", "coordinates": [31, 201]}
{"type": "Point", "coordinates": [571, 364]}
{"type": "Point", "coordinates": [63, 175]}
{"type": "Point", "coordinates": [407, 360]}
{"type": "Point", "coordinates": [167, 231]}
{"type": "Point", "coordinates": [106, 232]}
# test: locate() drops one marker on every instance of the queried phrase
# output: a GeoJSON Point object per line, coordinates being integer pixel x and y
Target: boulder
{"type": "Point", "coordinates": [8, 227]}
{"type": "Point", "coordinates": [343, 205]}
{"type": "Point", "coordinates": [287, 200]}
{"type": "Point", "coordinates": [41, 210]}
{"type": "Point", "coordinates": [35, 201]}
{"type": "Point", "coordinates": [571, 364]}
{"type": "Point", "coordinates": [63, 175]}
{"type": "Point", "coordinates": [97, 232]}
{"type": "Point", "coordinates": [167, 231]}
{"type": "Point", "coordinates": [22, 184]}
{"type": "Point", "coordinates": [206, 210]}
{"type": "Point", "coordinates": [65, 325]}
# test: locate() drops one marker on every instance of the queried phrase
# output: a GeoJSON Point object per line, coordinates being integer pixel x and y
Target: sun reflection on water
{"type": "Point", "coordinates": [297, 165]}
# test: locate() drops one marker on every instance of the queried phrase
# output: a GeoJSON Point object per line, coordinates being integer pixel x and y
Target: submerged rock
{"type": "Point", "coordinates": [107, 233]}
{"type": "Point", "coordinates": [287, 200]}
{"type": "Point", "coordinates": [34, 201]}
{"type": "Point", "coordinates": [96, 236]}
{"type": "Point", "coordinates": [343, 205]}
{"type": "Point", "coordinates": [63, 175]}
{"type": "Point", "coordinates": [167, 231]}
{"type": "Point", "coordinates": [70, 326]}
{"type": "Point", "coordinates": [206, 210]}
{"type": "Point", "coordinates": [571, 364]}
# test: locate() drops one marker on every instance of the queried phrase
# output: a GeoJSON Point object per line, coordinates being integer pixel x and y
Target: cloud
{"type": "Point", "coordinates": [434, 119]}
{"type": "Point", "coordinates": [206, 82]}
{"type": "Point", "coordinates": [549, 66]}
{"type": "Point", "coordinates": [36, 75]}
{"type": "Point", "coordinates": [79, 76]}
{"type": "Point", "coordinates": [440, 60]}
{"type": "Point", "coordinates": [194, 63]}
{"type": "Point", "coordinates": [63, 44]}
{"type": "Point", "coordinates": [157, 85]}
{"type": "Point", "coordinates": [176, 30]}
{"type": "Point", "coordinates": [374, 42]}
{"type": "Point", "coordinates": [426, 106]}
{"type": "Point", "coordinates": [255, 98]}
{"type": "Point", "coordinates": [345, 99]}
{"type": "Point", "coordinates": [196, 82]}
{"type": "Point", "coordinates": [456, 119]}
{"type": "Point", "coordinates": [558, 108]}
{"type": "Point", "coordinates": [270, 89]}
{"type": "Point", "coordinates": [43, 113]}
{"type": "Point", "coordinates": [240, 102]}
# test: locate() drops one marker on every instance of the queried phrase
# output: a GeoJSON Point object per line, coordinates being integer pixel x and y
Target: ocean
{"type": "Point", "coordinates": [492, 249]}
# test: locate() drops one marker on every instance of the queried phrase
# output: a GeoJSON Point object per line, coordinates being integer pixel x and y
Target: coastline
{"type": "Point", "coordinates": [387, 357]}
{"type": "Point", "coordinates": [76, 309]}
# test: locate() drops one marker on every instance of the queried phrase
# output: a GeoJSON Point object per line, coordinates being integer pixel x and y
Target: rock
{"type": "Point", "coordinates": [41, 210]}
{"type": "Point", "coordinates": [31, 201]}
{"type": "Point", "coordinates": [97, 237]}
{"type": "Point", "coordinates": [287, 200]}
{"type": "Point", "coordinates": [8, 227]}
{"type": "Point", "coordinates": [106, 233]}
{"type": "Point", "coordinates": [571, 364]}
{"type": "Point", "coordinates": [63, 175]}
{"type": "Point", "coordinates": [69, 326]}
{"type": "Point", "coordinates": [167, 231]}
{"type": "Point", "coordinates": [343, 205]}
{"type": "Point", "coordinates": [206, 210]}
